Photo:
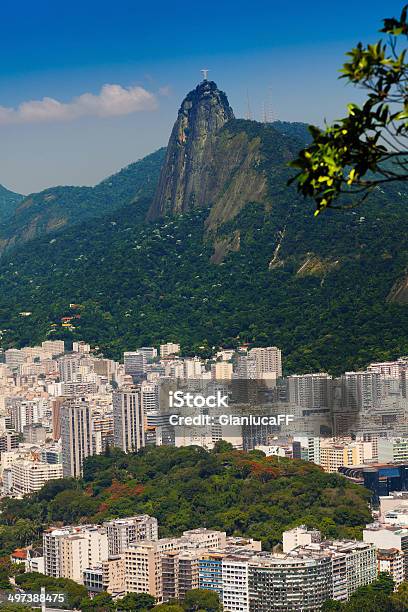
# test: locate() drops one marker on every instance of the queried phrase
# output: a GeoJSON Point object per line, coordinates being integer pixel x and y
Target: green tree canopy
{"type": "Point", "coordinates": [133, 602]}
{"type": "Point", "coordinates": [369, 146]}
{"type": "Point", "coordinates": [202, 599]}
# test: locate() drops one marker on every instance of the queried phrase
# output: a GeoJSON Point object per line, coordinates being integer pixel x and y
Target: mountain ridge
{"type": "Point", "coordinates": [61, 206]}
{"type": "Point", "coordinates": [9, 200]}
{"type": "Point", "coordinates": [317, 288]}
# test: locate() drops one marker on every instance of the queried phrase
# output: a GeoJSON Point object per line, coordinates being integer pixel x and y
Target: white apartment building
{"type": "Point", "coordinates": [235, 586]}
{"type": "Point", "coordinates": [122, 532]}
{"type": "Point", "coordinates": [68, 366]}
{"type": "Point", "coordinates": [30, 476]}
{"type": "Point", "coordinates": [128, 419]}
{"type": "Point", "coordinates": [289, 582]}
{"type": "Point", "coordinates": [361, 390]}
{"type": "Point", "coordinates": [70, 550]}
{"type": "Point", "coordinates": [386, 537]}
{"type": "Point", "coordinates": [310, 391]}
{"type": "Point", "coordinates": [14, 358]}
{"type": "Point", "coordinates": [149, 396]}
{"type": "Point", "coordinates": [170, 348]}
{"type": "Point", "coordinates": [299, 536]}
{"type": "Point", "coordinates": [192, 368]}
{"type": "Point", "coordinates": [76, 435]}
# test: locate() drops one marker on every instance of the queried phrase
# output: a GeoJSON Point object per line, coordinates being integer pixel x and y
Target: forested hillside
{"type": "Point", "coordinates": [321, 289]}
{"type": "Point", "coordinates": [184, 488]}
{"type": "Point", "coordinates": [8, 202]}
{"type": "Point", "coordinates": [59, 207]}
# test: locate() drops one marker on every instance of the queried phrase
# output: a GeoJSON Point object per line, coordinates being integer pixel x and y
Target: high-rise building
{"type": "Point", "coordinates": [391, 561]}
{"type": "Point", "coordinates": [76, 435]}
{"type": "Point", "coordinates": [108, 577]}
{"type": "Point", "coordinates": [143, 560]}
{"type": "Point", "coordinates": [14, 358]}
{"type": "Point", "coordinates": [299, 536]}
{"type": "Point", "coordinates": [148, 351]}
{"type": "Point", "coordinates": [361, 390]}
{"type": "Point", "coordinates": [9, 440]}
{"type": "Point", "coordinates": [192, 368]}
{"type": "Point", "coordinates": [135, 364]}
{"type": "Point", "coordinates": [68, 366]}
{"type": "Point", "coordinates": [338, 453]}
{"type": "Point", "coordinates": [128, 419]}
{"type": "Point", "coordinates": [149, 396]}
{"type": "Point", "coordinates": [55, 404]}
{"type": "Point", "coordinates": [392, 450]}
{"type": "Point", "coordinates": [311, 391]}
{"type": "Point", "coordinates": [122, 532]}
{"type": "Point", "coordinates": [268, 361]}
{"type": "Point", "coordinates": [81, 347]}
{"type": "Point", "coordinates": [180, 573]}
{"type": "Point", "coordinates": [289, 583]}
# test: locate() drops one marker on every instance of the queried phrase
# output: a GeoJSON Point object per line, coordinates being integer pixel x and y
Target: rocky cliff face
{"type": "Point", "coordinates": [186, 178]}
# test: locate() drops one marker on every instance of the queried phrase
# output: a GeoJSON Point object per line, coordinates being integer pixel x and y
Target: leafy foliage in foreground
{"type": "Point", "coordinates": [241, 493]}
{"type": "Point", "coordinates": [369, 146]}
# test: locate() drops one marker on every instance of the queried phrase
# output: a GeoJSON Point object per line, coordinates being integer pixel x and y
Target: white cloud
{"type": "Point", "coordinates": [111, 101]}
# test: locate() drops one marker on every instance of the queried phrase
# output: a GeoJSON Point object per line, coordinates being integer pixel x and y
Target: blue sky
{"type": "Point", "coordinates": [284, 52]}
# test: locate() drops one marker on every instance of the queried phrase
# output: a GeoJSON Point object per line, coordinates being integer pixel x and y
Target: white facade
{"type": "Point", "coordinates": [128, 419]}
{"type": "Point", "coordinates": [170, 348]}
{"type": "Point", "coordinates": [29, 476]}
{"type": "Point", "coordinates": [76, 435]}
{"type": "Point", "coordinates": [123, 532]}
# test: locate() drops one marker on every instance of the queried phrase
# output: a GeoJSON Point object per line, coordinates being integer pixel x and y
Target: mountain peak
{"type": "Point", "coordinates": [203, 112]}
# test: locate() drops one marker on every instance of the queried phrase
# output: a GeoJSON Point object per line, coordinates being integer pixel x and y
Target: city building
{"type": "Point", "coordinates": [30, 476]}
{"type": "Point", "coordinates": [143, 560]}
{"type": "Point", "coordinates": [268, 361]}
{"type": "Point", "coordinates": [336, 453]}
{"type": "Point", "coordinates": [76, 435]}
{"type": "Point", "coordinates": [387, 537]}
{"type": "Point", "coordinates": [391, 561]}
{"type": "Point", "coordinates": [128, 419]}
{"type": "Point", "coordinates": [135, 364]}
{"type": "Point", "coordinates": [392, 450]}
{"type": "Point", "coordinates": [70, 550]}
{"type": "Point", "coordinates": [311, 391]}
{"type": "Point", "coordinates": [221, 370]}
{"type": "Point", "coordinates": [169, 349]}
{"type": "Point", "coordinates": [299, 536]}
{"type": "Point", "coordinates": [107, 577]}
{"type": "Point", "coordinates": [122, 532]}
{"type": "Point", "coordinates": [289, 582]}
